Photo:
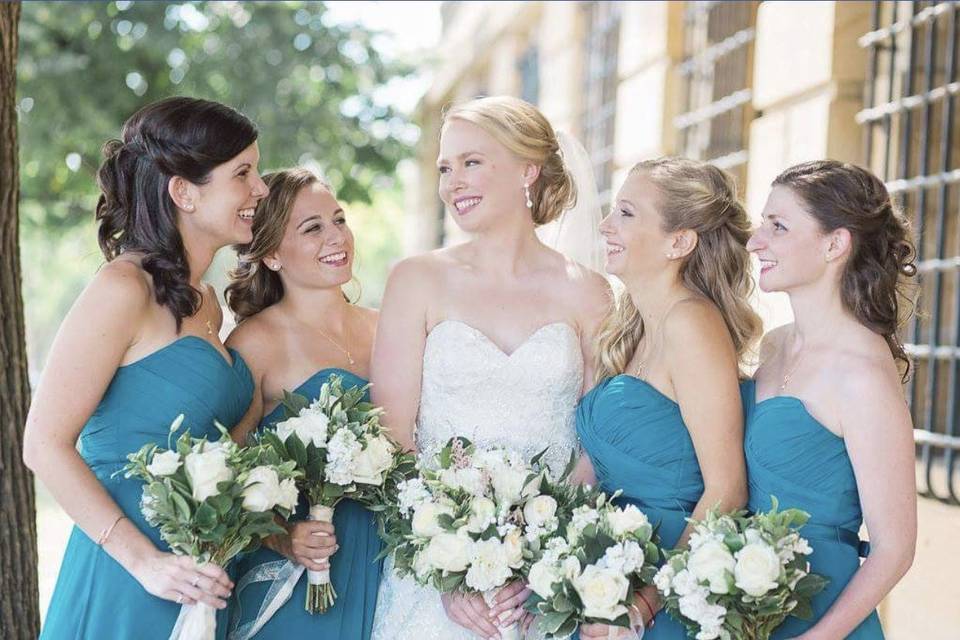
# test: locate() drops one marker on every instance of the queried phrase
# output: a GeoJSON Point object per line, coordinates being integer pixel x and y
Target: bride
{"type": "Point", "coordinates": [489, 339]}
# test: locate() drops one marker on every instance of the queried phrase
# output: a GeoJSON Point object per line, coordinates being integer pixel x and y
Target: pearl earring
{"type": "Point", "coordinates": [526, 192]}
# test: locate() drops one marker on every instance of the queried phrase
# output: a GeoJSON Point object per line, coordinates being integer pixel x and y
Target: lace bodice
{"type": "Point", "coordinates": [524, 400]}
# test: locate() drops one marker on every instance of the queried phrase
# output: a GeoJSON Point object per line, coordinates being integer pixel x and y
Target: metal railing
{"type": "Point", "coordinates": [911, 141]}
{"type": "Point", "coordinates": [716, 79]}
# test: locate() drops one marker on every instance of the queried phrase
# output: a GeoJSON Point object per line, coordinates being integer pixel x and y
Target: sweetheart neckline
{"type": "Point", "coordinates": [497, 347]}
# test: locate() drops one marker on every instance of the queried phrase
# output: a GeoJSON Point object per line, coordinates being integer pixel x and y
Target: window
{"type": "Point", "coordinates": [529, 69]}
{"type": "Point", "coordinates": [911, 141]}
{"type": "Point", "coordinates": [716, 78]}
{"type": "Point", "coordinates": [600, 85]}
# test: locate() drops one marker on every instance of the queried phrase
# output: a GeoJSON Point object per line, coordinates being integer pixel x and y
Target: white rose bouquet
{"type": "Point", "coordinates": [590, 569]}
{"type": "Point", "coordinates": [741, 576]}
{"type": "Point", "coordinates": [459, 525]}
{"type": "Point", "coordinates": [211, 501]}
{"type": "Point", "coordinates": [341, 451]}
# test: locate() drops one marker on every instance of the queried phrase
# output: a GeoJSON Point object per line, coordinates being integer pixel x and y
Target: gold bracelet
{"type": "Point", "coordinates": [106, 532]}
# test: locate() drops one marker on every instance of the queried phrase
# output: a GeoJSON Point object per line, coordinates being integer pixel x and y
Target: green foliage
{"type": "Point", "coordinates": [308, 84]}
{"type": "Point", "coordinates": [218, 527]}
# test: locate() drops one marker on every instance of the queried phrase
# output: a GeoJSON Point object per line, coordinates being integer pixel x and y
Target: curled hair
{"type": "Point", "coordinates": [521, 128]}
{"type": "Point", "coordinates": [253, 287]}
{"type": "Point", "coordinates": [178, 136]}
{"type": "Point", "coordinates": [700, 197]}
{"type": "Point", "coordinates": [873, 283]}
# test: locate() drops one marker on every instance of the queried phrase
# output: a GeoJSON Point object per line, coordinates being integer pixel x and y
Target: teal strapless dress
{"type": "Point", "coordinates": [95, 597]}
{"type": "Point", "coordinates": [638, 443]}
{"type": "Point", "coordinates": [792, 456]}
{"type": "Point", "coordinates": [354, 570]}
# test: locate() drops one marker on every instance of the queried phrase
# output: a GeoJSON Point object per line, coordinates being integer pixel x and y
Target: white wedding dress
{"type": "Point", "coordinates": [524, 400]}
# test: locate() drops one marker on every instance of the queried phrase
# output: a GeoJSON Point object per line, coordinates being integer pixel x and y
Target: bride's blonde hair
{"type": "Point", "coordinates": [700, 197]}
{"type": "Point", "coordinates": [521, 128]}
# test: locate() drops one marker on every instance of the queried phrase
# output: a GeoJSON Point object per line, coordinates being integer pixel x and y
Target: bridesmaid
{"type": "Point", "coordinates": [664, 423]}
{"type": "Point", "coordinates": [296, 329]}
{"type": "Point", "coordinates": [138, 348]}
{"type": "Point", "coordinates": [831, 240]}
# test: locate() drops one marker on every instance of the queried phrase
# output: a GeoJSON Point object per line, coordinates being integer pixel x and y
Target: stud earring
{"type": "Point", "coordinates": [526, 192]}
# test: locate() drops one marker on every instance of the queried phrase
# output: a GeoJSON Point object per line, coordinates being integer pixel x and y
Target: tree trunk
{"type": "Point", "coordinates": [19, 598]}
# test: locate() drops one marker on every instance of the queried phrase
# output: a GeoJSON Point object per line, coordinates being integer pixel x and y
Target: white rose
{"type": "Point", "coordinates": [540, 511]}
{"type": "Point", "coordinates": [309, 426]}
{"type": "Point", "coordinates": [513, 548]}
{"type": "Point", "coordinates": [713, 562]}
{"type": "Point", "coordinates": [289, 495]}
{"type": "Point", "coordinates": [488, 565]}
{"type": "Point", "coordinates": [370, 464]}
{"type": "Point", "coordinates": [508, 484]}
{"type": "Point", "coordinates": [482, 514]}
{"type": "Point", "coordinates": [261, 490]}
{"type": "Point", "coordinates": [602, 592]}
{"type": "Point", "coordinates": [448, 552]}
{"type": "Point", "coordinates": [164, 464]}
{"type": "Point", "coordinates": [542, 576]}
{"type": "Point", "coordinates": [425, 516]}
{"type": "Point", "coordinates": [757, 569]}
{"type": "Point", "coordinates": [206, 469]}
{"type": "Point", "coordinates": [626, 520]}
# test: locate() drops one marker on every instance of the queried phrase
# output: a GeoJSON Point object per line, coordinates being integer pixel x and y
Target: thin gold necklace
{"type": "Point", "coordinates": [789, 374]}
{"type": "Point", "coordinates": [336, 344]}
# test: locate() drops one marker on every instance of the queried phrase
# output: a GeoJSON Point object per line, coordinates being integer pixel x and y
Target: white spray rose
{"type": "Point", "coordinates": [540, 511]}
{"type": "Point", "coordinates": [513, 548]}
{"type": "Point", "coordinates": [542, 576]}
{"type": "Point", "coordinates": [488, 565]}
{"type": "Point", "coordinates": [206, 469]}
{"type": "Point", "coordinates": [602, 592]}
{"type": "Point", "coordinates": [309, 426]}
{"type": "Point", "coordinates": [164, 464]}
{"type": "Point", "coordinates": [425, 516]}
{"type": "Point", "coordinates": [261, 490]}
{"type": "Point", "coordinates": [448, 552]}
{"type": "Point", "coordinates": [483, 513]}
{"type": "Point", "coordinates": [626, 520]}
{"type": "Point", "coordinates": [289, 494]}
{"type": "Point", "coordinates": [508, 484]}
{"type": "Point", "coordinates": [713, 562]}
{"type": "Point", "coordinates": [370, 464]}
{"type": "Point", "coordinates": [757, 568]}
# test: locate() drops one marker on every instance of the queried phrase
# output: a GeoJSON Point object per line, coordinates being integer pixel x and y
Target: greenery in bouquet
{"type": "Point", "coordinates": [341, 450]}
{"type": "Point", "coordinates": [589, 570]}
{"type": "Point", "coordinates": [741, 576]}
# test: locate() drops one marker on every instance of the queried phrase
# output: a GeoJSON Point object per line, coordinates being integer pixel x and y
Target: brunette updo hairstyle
{"type": "Point", "coordinates": [521, 128]}
{"type": "Point", "coordinates": [253, 287]}
{"type": "Point", "coordinates": [179, 136]}
{"type": "Point", "coordinates": [873, 286]}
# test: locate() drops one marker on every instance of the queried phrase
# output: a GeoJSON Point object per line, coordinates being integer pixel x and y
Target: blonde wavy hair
{"type": "Point", "coordinates": [522, 129]}
{"type": "Point", "coordinates": [700, 197]}
{"type": "Point", "coordinates": [253, 287]}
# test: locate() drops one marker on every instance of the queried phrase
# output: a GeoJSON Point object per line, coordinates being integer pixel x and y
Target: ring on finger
{"type": "Point", "coordinates": [196, 581]}
{"type": "Point", "coordinates": [179, 598]}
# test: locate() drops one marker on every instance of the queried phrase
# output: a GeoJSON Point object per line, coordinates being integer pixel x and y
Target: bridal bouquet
{"type": "Point", "coordinates": [467, 521]}
{"type": "Point", "coordinates": [341, 451]}
{"type": "Point", "coordinates": [742, 575]}
{"type": "Point", "coordinates": [589, 570]}
{"type": "Point", "coordinates": [211, 500]}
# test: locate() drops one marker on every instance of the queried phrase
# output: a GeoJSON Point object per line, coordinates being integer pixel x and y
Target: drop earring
{"type": "Point", "coordinates": [526, 192]}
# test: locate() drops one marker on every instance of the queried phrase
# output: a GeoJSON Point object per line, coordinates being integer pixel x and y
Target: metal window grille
{"type": "Point", "coordinates": [529, 69]}
{"type": "Point", "coordinates": [716, 79]}
{"type": "Point", "coordinates": [600, 84]}
{"type": "Point", "coordinates": [911, 141]}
